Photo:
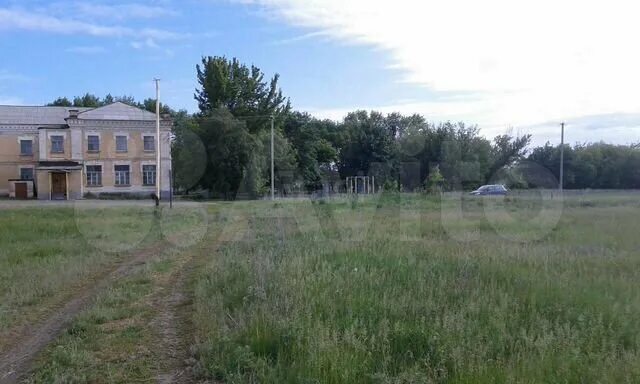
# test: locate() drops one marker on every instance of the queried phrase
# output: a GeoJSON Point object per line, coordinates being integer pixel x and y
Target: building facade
{"type": "Point", "coordinates": [62, 153]}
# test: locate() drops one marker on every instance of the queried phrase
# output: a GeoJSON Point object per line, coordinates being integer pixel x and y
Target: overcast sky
{"type": "Point", "coordinates": [520, 65]}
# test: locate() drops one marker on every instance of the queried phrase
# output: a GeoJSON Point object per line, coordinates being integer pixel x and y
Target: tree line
{"type": "Point", "coordinates": [92, 101]}
{"type": "Point", "coordinates": [224, 148]}
{"type": "Point", "coordinates": [592, 165]}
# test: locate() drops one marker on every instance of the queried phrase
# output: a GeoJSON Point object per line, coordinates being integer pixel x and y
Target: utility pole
{"type": "Point", "coordinates": [561, 155]}
{"type": "Point", "coordinates": [158, 158]}
{"type": "Point", "coordinates": [273, 190]}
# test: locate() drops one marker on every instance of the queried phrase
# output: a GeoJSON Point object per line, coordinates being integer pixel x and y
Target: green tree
{"type": "Point", "coordinates": [314, 144]}
{"type": "Point", "coordinates": [243, 92]}
{"type": "Point", "coordinates": [370, 147]}
{"type": "Point", "coordinates": [285, 165]}
{"type": "Point", "coordinates": [230, 149]}
{"type": "Point", "coordinates": [60, 102]}
{"type": "Point", "coordinates": [188, 154]}
{"type": "Point", "coordinates": [461, 155]}
{"type": "Point", "coordinates": [149, 104]}
{"type": "Point", "coordinates": [507, 149]}
{"type": "Point", "coordinates": [241, 89]}
{"type": "Point", "coordinates": [594, 165]}
{"type": "Point", "coordinates": [435, 181]}
{"type": "Point", "coordinates": [87, 100]}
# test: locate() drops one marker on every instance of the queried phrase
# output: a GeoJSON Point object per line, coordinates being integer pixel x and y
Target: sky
{"type": "Point", "coordinates": [508, 66]}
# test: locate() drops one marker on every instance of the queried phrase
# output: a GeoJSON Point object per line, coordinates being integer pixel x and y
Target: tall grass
{"type": "Point", "coordinates": [398, 290]}
{"type": "Point", "coordinates": [120, 337]}
{"type": "Point", "coordinates": [46, 253]}
{"type": "Point", "coordinates": [110, 342]}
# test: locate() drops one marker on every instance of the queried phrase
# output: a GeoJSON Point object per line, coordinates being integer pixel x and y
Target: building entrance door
{"type": "Point", "coordinates": [58, 186]}
{"type": "Point", "coordinates": [21, 191]}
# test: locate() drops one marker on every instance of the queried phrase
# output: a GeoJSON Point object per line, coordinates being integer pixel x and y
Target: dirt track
{"type": "Point", "coordinates": [172, 303]}
{"type": "Point", "coordinates": [16, 362]}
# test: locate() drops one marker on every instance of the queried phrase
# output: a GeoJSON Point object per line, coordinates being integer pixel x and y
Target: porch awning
{"type": "Point", "coordinates": [59, 165]}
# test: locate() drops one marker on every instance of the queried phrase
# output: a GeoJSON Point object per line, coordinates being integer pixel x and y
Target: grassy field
{"type": "Point", "coordinates": [386, 289]}
{"type": "Point", "coordinates": [47, 253]}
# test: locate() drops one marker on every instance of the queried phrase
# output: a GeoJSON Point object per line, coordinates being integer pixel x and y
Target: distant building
{"type": "Point", "coordinates": [68, 152]}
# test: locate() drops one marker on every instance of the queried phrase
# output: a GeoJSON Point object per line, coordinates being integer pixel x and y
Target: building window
{"type": "Point", "coordinates": [149, 143]}
{"type": "Point", "coordinates": [93, 143]}
{"type": "Point", "coordinates": [94, 175]}
{"type": "Point", "coordinates": [26, 147]}
{"type": "Point", "coordinates": [122, 174]}
{"type": "Point", "coordinates": [57, 144]}
{"type": "Point", "coordinates": [26, 173]}
{"type": "Point", "coordinates": [121, 143]}
{"type": "Point", "coordinates": [148, 175]}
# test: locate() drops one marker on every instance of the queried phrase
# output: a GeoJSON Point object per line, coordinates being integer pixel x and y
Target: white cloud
{"type": "Point", "coordinates": [118, 11]}
{"type": "Point", "coordinates": [304, 37]}
{"type": "Point", "coordinates": [11, 19]}
{"type": "Point", "coordinates": [147, 43]}
{"type": "Point", "coordinates": [161, 52]}
{"type": "Point", "coordinates": [526, 62]}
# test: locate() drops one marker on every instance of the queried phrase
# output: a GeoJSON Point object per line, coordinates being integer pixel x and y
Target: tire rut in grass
{"type": "Point", "coordinates": [173, 322]}
{"type": "Point", "coordinates": [16, 362]}
{"type": "Point", "coordinates": [171, 303]}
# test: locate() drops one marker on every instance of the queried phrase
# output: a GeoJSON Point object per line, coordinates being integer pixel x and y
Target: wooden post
{"type": "Point", "coordinates": [82, 182]}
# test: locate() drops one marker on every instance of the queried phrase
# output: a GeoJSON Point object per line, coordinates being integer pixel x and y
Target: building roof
{"type": "Point", "coordinates": [117, 111]}
{"type": "Point", "coordinates": [30, 115]}
{"type": "Point", "coordinates": [55, 116]}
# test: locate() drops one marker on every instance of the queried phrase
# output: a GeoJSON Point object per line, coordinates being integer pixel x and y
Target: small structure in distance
{"type": "Point", "coordinates": [360, 185]}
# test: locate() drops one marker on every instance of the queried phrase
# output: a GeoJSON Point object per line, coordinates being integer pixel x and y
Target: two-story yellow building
{"type": "Point", "coordinates": [61, 153]}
